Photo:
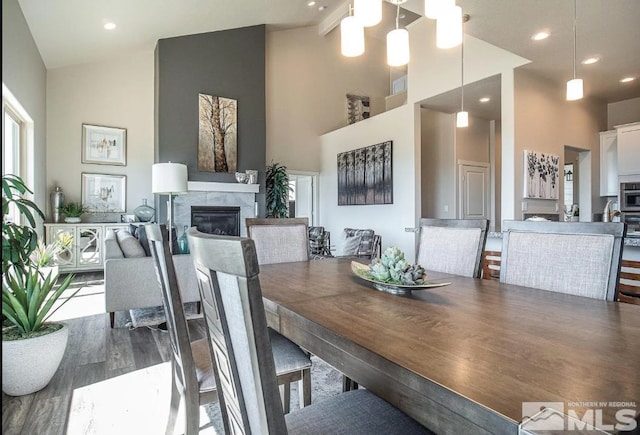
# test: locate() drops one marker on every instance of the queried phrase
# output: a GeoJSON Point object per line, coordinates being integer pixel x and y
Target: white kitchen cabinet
{"type": "Point", "coordinates": [609, 163]}
{"type": "Point", "coordinates": [85, 241]}
{"type": "Point", "coordinates": [629, 149]}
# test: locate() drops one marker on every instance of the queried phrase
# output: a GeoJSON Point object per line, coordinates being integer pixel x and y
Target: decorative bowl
{"type": "Point", "coordinates": [362, 271]}
{"type": "Point", "coordinates": [241, 177]}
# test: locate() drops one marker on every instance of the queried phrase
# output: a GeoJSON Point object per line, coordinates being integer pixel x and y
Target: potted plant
{"type": "Point", "coordinates": [277, 189]}
{"type": "Point", "coordinates": [72, 212]}
{"type": "Point", "coordinates": [31, 348]}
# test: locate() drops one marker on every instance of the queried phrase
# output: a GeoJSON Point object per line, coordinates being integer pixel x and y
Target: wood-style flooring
{"type": "Point", "coordinates": [110, 380]}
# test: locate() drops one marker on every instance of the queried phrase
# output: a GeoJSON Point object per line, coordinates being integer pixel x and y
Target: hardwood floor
{"type": "Point", "coordinates": [110, 380]}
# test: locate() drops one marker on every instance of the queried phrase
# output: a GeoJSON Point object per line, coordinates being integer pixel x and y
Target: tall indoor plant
{"type": "Point", "coordinates": [277, 189]}
{"type": "Point", "coordinates": [31, 348]}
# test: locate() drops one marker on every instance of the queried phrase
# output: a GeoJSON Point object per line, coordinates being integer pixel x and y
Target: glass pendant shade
{"type": "Point", "coordinates": [352, 37]}
{"type": "Point", "coordinates": [398, 47]}
{"type": "Point", "coordinates": [368, 12]}
{"type": "Point", "coordinates": [462, 119]}
{"type": "Point", "coordinates": [574, 90]}
{"type": "Point", "coordinates": [449, 28]}
{"type": "Point", "coordinates": [434, 8]}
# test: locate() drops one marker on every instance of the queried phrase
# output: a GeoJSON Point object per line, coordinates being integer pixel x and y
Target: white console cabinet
{"type": "Point", "coordinates": [86, 244]}
{"type": "Point", "coordinates": [609, 163]}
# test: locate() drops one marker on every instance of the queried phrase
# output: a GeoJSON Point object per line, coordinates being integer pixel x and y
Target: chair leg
{"type": "Point", "coordinates": [305, 389]}
{"type": "Point", "coordinates": [175, 405]}
{"type": "Point", "coordinates": [112, 318]}
{"type": "Point", "coordinates": [198, 307]}
{"type": "Point", "coordinates": [192, 408]}
{"type": "Point", "coordinates": [286, 397]}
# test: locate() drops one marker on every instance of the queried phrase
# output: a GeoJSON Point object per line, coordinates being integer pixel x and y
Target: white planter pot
{"type": "Point", "coordinates": [72, 220]}
{"type": "Point", "coordinates": [28, 365]}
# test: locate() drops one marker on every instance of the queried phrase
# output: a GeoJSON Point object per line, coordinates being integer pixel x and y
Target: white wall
{"type": "Point", "coordinates": [307, 82]}
{"type": "Point", "coordinates": [388, 220]}
{"type": "Point", "coordinates": [24, 74]}
{"type": "Point", "coordinates": [117, 93]}
{"type": "Point", "coordinates": [623, 112]}
{"type": "Point", "coordinates": [438, 167]}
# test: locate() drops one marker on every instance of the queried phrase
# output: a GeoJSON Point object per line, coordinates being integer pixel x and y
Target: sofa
{"type": "Point", "coordinates": [130, 279]}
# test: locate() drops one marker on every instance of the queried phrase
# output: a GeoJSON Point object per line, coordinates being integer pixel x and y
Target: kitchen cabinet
{"type": "Point", "coordinates": [609, 163]}
{"type": "Point", "coordinates": [629, 149]}
{"type": "Point", "coordinates": [85, 244]}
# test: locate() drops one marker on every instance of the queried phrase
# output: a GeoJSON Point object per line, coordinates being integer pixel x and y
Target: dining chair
{"type": "Point", "coordinates": [578, 258]}
{"type": "Point", "coordinates": [629, 284]}
{"type": "Point", "coordinates": [491, 265]}
{"type": "Point", "coordinates": [284, 240]}
{"type": "Point", "coordinates": [364, 243]}
{"type": "Point", "coordinates": [281, 240]}
{"type": "Point", "coordinates": [452, 246]}
{"type": "Point", "coordinates": [192, 368]}
{"type": "Point", "coordinates": [228, 278]}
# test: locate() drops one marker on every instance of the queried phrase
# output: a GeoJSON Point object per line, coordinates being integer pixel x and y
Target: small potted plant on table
{"type": "Point", "coordinates": [72, 212]}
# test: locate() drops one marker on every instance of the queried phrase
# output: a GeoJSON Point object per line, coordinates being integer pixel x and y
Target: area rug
{"type": "Point", "coordinates": [154, 316]}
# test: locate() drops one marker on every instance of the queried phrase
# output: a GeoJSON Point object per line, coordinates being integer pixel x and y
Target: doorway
{"type": "Point", "coordinates": [474, 190]}
{"type": "Point", "coordinates": [303, 195]}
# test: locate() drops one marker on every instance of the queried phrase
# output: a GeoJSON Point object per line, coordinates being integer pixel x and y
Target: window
{"type": "Point", "coordinates": [11, 143]}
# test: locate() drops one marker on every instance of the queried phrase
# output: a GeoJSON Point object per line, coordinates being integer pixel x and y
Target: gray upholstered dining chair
{"type": "Point", "coordinates": [281, 240]}
{"type": "Point", "coordinates": [227, 269]}
{"type": "Point", "coordinates": [578, 258]}
{"type": "Point", "coordinates": [452, 245]}
{"type": "Point", "coordinates": [192, 368]}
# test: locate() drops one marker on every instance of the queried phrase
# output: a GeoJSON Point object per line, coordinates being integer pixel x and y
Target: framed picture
{"type": "Point", "coordinates": [104, 145]}
{"type": "Point", "coordinates": [102, 193]}
{"type": "Point", "coordinates": [541, 175]}
{"type": "Point", "coordinates": [218, 134]}
{"type": "Point", "coordinates": [365, 175]}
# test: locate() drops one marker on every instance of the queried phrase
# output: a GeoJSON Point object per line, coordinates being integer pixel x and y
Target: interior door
{"type": "Point", "coordinates": [304, 197]}
{"type": "Point", "coordinates": [474, 191]}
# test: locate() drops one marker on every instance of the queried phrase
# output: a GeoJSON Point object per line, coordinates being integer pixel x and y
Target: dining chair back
{"type": "Point", "coordinates": [452, 245]}
{"type": "Point", "coordinates": [192, 370]}
{"type": "Point", "coordinates": [629, 284]}
{"type": "Point", "coordinates": [228, 277]}
{"type": "Point", "coordinates": [282, 240]}
{"type": "Point", "coordinates": [578, 258]}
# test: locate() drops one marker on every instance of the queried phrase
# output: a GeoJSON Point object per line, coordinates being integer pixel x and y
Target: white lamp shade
{"type": "Point", "coordinates": [449, 28]}
{"type": "Point", "coordinates": [574, 90]}
{"type": "Point", "coordinates": [169, 178]}
{"type": "Point", "coordinates": [368, 12]}
{"type": "Point", "coordinates": [352, 37]}
{"type": "Point", "coordinates": [398, 47]}
{"type": "Point", "coordinates": [462, 119]}
{"type": "Point", "coordinates": [434, 8]}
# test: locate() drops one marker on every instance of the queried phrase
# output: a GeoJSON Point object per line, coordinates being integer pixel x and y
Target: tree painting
{"type": "Point", "coordinates": [218, 134]}
{"type": "Point", "coordinates": [365, 175]}
{"type": "Point", "coordinates": [541, 175]}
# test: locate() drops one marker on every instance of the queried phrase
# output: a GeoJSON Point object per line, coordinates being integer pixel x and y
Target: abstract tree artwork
{"type": "Point", "coordinates": [365, 175]}
{"type": "Point", "coordinates": [541, 175]}
{"type": "Point", "coordinates": [218, 134]}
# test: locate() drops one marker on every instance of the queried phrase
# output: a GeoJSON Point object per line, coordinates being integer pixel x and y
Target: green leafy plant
{"type": "Point", "coordinates": [45, 254]}
{"type": "Point", "coordinates": [18, 241]}
{"type": "Point", "coordinates": [393, 268]}
{"type": "Point", "coordinates": [73, 209]}
{"type": "Point", "coordinates": [277, 190]}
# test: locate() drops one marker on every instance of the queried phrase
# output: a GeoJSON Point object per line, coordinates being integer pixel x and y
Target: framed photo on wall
{"type": "Point", "coordinates": [104, 145]}
{"type": "Point", "coordinates": [104, 193]}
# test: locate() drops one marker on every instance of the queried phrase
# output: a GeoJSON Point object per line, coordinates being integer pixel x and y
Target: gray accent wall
{"type": "Point", "coordinates": [229, 63]}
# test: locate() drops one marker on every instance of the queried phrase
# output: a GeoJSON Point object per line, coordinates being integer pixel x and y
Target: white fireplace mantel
{"type": "Point", "coordinates": [212, 186]}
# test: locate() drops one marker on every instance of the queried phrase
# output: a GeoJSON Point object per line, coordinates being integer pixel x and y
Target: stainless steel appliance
{"type": "Point", "coordinates": [633, 222]}
{"type": "Point", "coordinates": [630, 197]}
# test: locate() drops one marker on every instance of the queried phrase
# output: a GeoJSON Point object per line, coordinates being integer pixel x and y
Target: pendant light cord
{"type": "Point", "coordinates": [398, 16]}
{"type": "Point", "coordinates": [574, 37]}
{"type": "Point", "coordinates": [462, 71]}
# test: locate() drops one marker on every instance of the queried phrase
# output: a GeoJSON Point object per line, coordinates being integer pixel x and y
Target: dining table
{"type": "Point", "coordinates": [474, 356]}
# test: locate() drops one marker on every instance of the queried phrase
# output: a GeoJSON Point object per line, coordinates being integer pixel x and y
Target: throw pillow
{"type": "Point", "coordinates": [130, 246]}
{"type": "Point", "coordinates": [111, 247]}
{"type": "Point", "coordinates": [139, 233]}
{"type": "Point", "coordinates": [352, 245]}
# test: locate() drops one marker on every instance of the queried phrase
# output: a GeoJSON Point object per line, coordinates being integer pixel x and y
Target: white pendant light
{"type": "Point", "coordinates": [449, 28]}
{"type": "Point", "coordinates": [434, 8]}
{"type": "Point", "coordinates": [574, 86]}
{"type": "Point", "coordinates": [462, 117]}
{"type": "Point", "coordinates": [398, 44]}
{"type": "Point", "coordinates": [351, 36]}
{"type": "Point", "coordinates": [369, 12]}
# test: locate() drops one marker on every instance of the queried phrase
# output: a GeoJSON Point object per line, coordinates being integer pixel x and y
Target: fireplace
{"type": "Point", "coordinates": [216, 220]}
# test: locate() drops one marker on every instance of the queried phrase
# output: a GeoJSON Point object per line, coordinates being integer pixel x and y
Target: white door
{"type": "Point", "coordinates": [474, 191]}
{"type": "Point", "coordinates": [304, 197]}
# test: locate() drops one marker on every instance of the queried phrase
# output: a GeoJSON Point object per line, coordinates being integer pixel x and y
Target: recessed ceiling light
{"type": "Point", "coordinates": [540, 36]}
{"type": "Point", "coordinates": [311, 3]}
{"type": "Point", "coordinates": [627, 79]}
{"type": "Point", "coordinates": [110, 26]}
{"type": "Point", "coordinates": [322, 8]}
{"type": "Point", "coordinates": [590, 60]}
{"type": "Point", "coordinates": [484, 99]}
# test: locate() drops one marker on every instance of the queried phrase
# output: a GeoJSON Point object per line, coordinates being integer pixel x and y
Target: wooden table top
{"type": "Point", "coordinates": [492, 344]}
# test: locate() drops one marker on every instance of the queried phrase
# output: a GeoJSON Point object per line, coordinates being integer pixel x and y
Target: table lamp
{"type": "Point", "coordinates": [169, 179]}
